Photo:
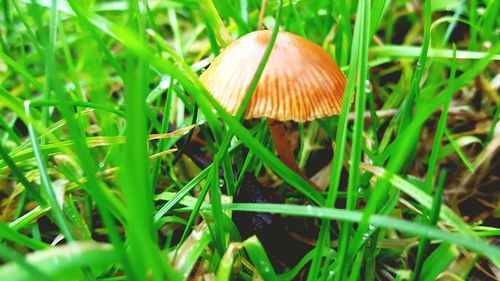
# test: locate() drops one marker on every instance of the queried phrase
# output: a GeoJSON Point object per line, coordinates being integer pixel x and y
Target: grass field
{"type": "Point", "coordinates": [117, 164]}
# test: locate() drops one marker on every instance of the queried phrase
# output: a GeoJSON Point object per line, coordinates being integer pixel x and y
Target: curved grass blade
{"type": "Point", "coordinates": [62, 261]}
{"type": "Point", "coordinates": [191, 250]}
{"type": "Point", "coordinates": [259, 258]}
{"type": "Point", "coordinates": [472, 243]}
{"type": "Point", "coordinates": [6, 232]}
{"type": "Point", "coordinates": [34, 272]}
{"type": "Point", "coordinates": [227, 262]}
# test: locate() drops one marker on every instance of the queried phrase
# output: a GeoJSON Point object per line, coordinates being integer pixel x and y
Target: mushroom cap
{"type": "Point", "coordinates": [300, 82]}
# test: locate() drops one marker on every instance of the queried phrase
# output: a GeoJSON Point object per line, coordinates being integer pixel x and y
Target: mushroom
{"type": "Point", "coordinates": [300, 82]}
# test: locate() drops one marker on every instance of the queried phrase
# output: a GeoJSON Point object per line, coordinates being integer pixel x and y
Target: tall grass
{"type": "Point", "coordinates": [100, 100]}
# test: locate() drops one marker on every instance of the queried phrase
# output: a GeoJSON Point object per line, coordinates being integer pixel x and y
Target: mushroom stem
{"type": "Point", "coordinates": [285, 154]}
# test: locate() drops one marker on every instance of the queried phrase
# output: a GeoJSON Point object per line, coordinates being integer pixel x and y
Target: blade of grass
{"type": "Point", "coordinates": [294, 23]}
{"type": "Point", "coordinates": [356, 266]}
{"type": "Point", "coordinates": [28, 218]}
{"type": "Point", "coordinates": [181, 193]}
{"type": "Point", "coordinates": [145, 256]}
{"type": "Point", "coordinates": [259, 258]}
{"type": "Point", "coordinates": [56, 102]}
{"type": "Point", "coordinates": [29, 31]}
{"type": "Point", "coordinates": [23, 72]}
{"type": "Point", "coordinates": [458, 150]}
{"type": "Point", "coordinates": [344, 261]}
{"type": "Point", "coordinates": [472, 13]}
{"type": "Point", "coordinates": [242, 26]}
{"type": "Point", "coordinates": [196, 208]}
{"type": "Point", "coordinates": [405, 114]}
{"type": "Point", "coordinates": [449, 148]}
{"type": "Point", "coordinates": [217, 229]}
{"type": "Point", "coordinates": [423, 244]}
{"type": "Point", "coordinates": [429, 105]}
{"type": "Point", "coordinates": [172, 16]}
{"type": "Point", "coordinates": [46, 182]}
{"type": "Point", "coordinates": [340, 144]}
{"type": "Point", "coordinates": [70, 64]}
{"type": "Point", "coordinates": [438, 262]}
{"type": "Point", "coordinates": [14, 169]}
{"type": "Point", "coordinates": [379, 8]}
{"type": "Point", "coordinates": [33, 272]}
{"type": "Point", "coordinates": [244, 10]}
{"type": "Point", "coordinates": [164, 128]}
{"type": "Point", "coordinates": [50, 56]}
{"type": "Point", "coordinates": [415, 52]}
{"type": "Point", "coordinates": [61, 260]}
{"type": "Point", "coordinates": [471, 243]}
{"type": "Point", "coordinates": [417, 194]}
{"type": "Point", "coordinates": [490, 21]}
{"type": "Point", "coordinates": [429, 180]}
{"type": "Point", "coordinates": [188, 201]}
{"type": "Point", "coordinates": [8, 233]}
{"type": "Point", "coordinates": [191, 250]}
{"type": "Point", "coordinates": [227, 262]}
{"type": "Point", "coordinates": [102, 46]}
{"type": "Point", "coordinates": [293, 272]}
{"type": "Point", "coordinates": [345, 38]}
{"type": "Point", "coordinates": [214, 23]}
{"type": "Point", "coordinates": [9, 130]}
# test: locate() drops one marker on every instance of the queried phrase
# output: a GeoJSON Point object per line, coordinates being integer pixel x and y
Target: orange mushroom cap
{"type": "Point", "coordinates": [300, 82]}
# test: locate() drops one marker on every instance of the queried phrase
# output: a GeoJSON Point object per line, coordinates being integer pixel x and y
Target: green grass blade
{"type": "Point", "coordinates": [438, 261]}
{"type": "Point", "coordinates": [164, 128]}
{"type": "Point", "coordinates": [341, 138]}
{"type": "Point", "coordinates": [414, 52]}
{"type": "Point", "coordinates": [55, 204]}
{"type": "Point", "coordinates": [196, 209]}
{"type": "Point", "coordinates": [417, 194]}
{"type": "Point", "coordinates": [459, 151]}
{"type": "Point", "coordinates": [33, 272]}
{"type": "Point", "coordinates": [62, 261]}
{"type": "Point", "coordinates": [102, 46]}
{"type": "Point", "coordinates": [379, 8]}
{"type": "Point", "coordinates": [217, 229]}
{"type": "Point", "coordinates": [18, 67]}
{"type": "Point", "coordinates": [227, 262]}
{"type": "Point", "coordinates": [8, 233]}
{"type": "Point", "coordinates": [344, 261]}
{"type": "Point", "coordinates": [406, 107]}
{"type": "Point", "coordinates": [472, 243]}
{"type": "Point", "coordinates": [191, 250]}
{"type": "Point", "coordinates": [429, 181]}
{"type": "Point", "coordinates": [144, 254]}
{"type": "Point", "coordinates": [259, 258]}
{"type": "Point", "coordinates": [14, 169]}
{"type": "Point", "coordinates": [214, 23]}
{"type": "Point", "coordinates": [181, 193]}
{"type": "Point", "coordinates": [242, 26]}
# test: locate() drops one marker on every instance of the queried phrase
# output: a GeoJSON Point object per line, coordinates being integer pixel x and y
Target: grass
{"type": "Point", "coordinates": [93, 188]}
